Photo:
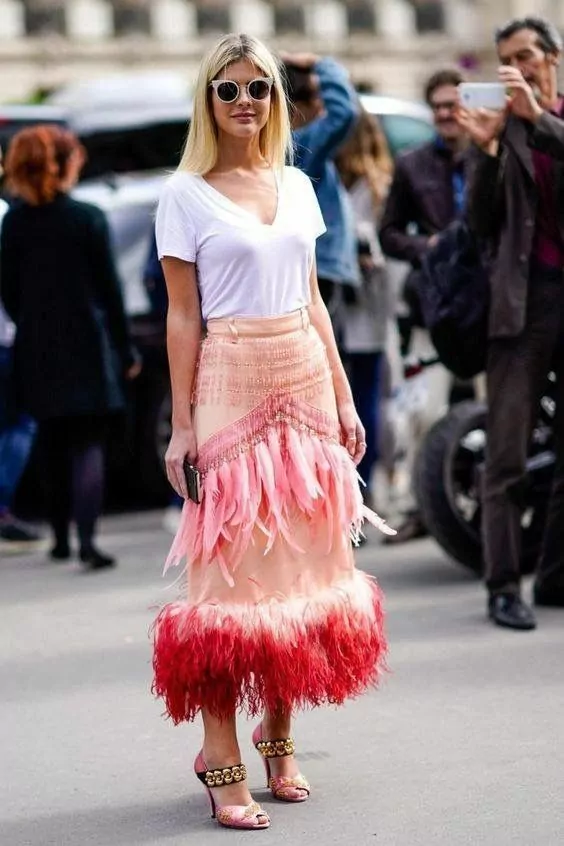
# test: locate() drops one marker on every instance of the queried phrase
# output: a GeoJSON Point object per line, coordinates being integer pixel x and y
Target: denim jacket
{"type": "Point", "coordinates": [316, 144]}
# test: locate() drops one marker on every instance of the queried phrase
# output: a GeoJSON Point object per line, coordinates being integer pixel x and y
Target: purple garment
{"type": "Point", "coordinates": [548, 248]}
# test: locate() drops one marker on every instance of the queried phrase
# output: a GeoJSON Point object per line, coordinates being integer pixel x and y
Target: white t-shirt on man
{"type": "Point", "coordinates": [244, 268]}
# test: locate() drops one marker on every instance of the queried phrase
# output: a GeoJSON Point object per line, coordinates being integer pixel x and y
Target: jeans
{"type": "Point", "coordinates": [364, 373]}
{"type": "Point", "coordinates": [17, 434]}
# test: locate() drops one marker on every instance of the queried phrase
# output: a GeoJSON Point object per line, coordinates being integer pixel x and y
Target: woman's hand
{"type": "Point", "coordinates": [354, 435]}
{"type": "Point", "coordinates": [134, 370]}
{"type": "Point", "coordinates": [182, 446]}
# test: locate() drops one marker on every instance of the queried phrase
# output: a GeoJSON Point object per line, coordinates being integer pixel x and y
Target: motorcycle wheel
{"type": "Point", "coordinates": [448, 484]}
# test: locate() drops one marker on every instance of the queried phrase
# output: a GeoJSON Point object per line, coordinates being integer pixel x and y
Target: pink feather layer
{"type": "Point", "coordinates": [255, 472]}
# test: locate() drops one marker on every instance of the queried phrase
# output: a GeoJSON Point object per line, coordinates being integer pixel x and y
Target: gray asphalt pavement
{"type": "Point", "coordinates": [464, 743]}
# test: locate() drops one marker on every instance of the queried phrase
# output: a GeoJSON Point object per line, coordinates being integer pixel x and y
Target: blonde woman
{"type": "Point", "coordinates": [365, 167]}
{"type": "Point", "coordinates": [275, 615]}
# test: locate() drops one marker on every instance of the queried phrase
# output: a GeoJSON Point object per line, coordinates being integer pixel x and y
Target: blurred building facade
{"type": "Point", "coordinates": [389, 45]}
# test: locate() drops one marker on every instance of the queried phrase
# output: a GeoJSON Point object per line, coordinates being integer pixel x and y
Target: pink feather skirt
{"type": "Point", "coordinates": [274, 613]}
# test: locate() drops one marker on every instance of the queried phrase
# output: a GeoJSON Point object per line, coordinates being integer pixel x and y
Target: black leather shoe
{"type": "Point", "coordinates": [60, 552]}
{"type": "Point", "coordinates": [93, 559]}
{"type": "Point", "coordinates": [549, 597]}
{"type": "Point", "coordinates": [509, 610]}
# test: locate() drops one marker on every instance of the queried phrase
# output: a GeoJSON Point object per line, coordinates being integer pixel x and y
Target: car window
{"type": "Point", "coordinates": [154, 147]}
{"type": "Point", "coordinates": [10, 126]}
{"type": "Point", "coordinates": [403, 132]}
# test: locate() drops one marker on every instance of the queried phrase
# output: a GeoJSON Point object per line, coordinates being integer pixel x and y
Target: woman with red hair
{"type": "Point", "coordinates": [72, 347]}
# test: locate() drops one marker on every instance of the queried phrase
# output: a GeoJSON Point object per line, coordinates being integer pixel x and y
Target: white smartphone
{"type": "Point", "coordinates": [482, 95]}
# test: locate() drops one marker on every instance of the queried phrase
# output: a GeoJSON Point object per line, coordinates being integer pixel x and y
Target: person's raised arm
{"type": "Point", "coordinates": [320, 139]}
{"type": "Point", "coordinates": [183, 335]}
{"type": "Point", "coordinates": [485, 168]}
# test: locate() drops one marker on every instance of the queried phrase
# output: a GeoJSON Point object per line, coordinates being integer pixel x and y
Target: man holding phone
{"type": "Point", "coordinates": [516, 202]}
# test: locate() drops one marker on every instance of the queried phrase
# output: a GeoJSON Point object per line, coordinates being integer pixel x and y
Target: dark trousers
{"type": "Point", "coordinates": [364, 371]}
{"type": "Point", "coordinates": [72, 452]}
{"type": "Point", "coordinates": [517, 370]}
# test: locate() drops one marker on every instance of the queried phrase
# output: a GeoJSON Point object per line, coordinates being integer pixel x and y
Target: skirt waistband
{"type": "Point", "coordinates": [259, 327]}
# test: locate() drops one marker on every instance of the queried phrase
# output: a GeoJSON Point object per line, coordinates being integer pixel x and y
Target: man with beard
{"type": "Point", "coordinates": [427, 193]}
{"type": "Point", "coordinates": [516, 201]}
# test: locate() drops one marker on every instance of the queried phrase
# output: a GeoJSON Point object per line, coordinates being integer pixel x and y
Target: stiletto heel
{"type": "Point", "coordinates": [284, 788]}
{"type": "Point", "coordinates": [230, 816]}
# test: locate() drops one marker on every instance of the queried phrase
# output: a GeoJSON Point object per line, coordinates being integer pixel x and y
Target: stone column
{"type": "Point", "coordinates": [173, 20]}
{"type": "Point", "coordinates": [462, 21]}
{"type": "Point", "coordinates": [89, 20]}
{"type": "Point", "coordinates": [326, 20]}
{"type": "Point", "coordinates": [12, 20]}
{"type": "Point", "coordinates": [254, 17]}
{"type": "Point", "coordinates": [396, 18]}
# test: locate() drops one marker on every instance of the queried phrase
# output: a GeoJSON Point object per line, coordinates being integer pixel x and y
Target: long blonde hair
{"type": "Point", "coordinates": [201, 149]}
{"type": "Point", "coordinates": [366, 154]}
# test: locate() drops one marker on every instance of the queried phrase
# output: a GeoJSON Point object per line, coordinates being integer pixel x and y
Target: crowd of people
{"type": "Point", "coordinates": [272, 239]}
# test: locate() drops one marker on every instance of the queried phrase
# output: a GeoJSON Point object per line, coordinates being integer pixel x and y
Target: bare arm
{"type": "Point", "coordinates": [183, 333]}
{"type": "Point", "coordinates": [353, 430]}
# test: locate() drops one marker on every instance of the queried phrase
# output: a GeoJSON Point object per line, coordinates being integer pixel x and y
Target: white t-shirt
{"type": "Point", "coordinates": [244, 268]}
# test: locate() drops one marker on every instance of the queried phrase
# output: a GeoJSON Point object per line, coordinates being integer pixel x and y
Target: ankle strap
{"type": "Point", "coordinates": [276, 748]}
{"type": "Point", "coordinates": [227, 775]}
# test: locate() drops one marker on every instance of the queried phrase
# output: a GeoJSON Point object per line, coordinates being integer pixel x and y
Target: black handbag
{"type": "Point", "coordinates": [454, 293]}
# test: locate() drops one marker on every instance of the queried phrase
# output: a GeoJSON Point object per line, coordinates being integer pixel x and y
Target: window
{"type": "Point", "coordinates": [361, 16]}
{"type": "Point", "coordinates": [429, 16]}
{"type": "Point", "coordinates": [155, 147]}
{"type": "Point", "coordinates": [289, 18]}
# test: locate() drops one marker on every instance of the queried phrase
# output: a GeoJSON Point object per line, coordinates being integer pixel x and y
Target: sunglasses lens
{"type": "Point", "coordinates": [259, 89]}
{"type": "Point", "coordinates": [227, 91]}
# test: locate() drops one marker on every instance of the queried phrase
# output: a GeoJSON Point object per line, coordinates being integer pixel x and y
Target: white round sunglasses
{"type": "Point", "coordinates": [228, 91]}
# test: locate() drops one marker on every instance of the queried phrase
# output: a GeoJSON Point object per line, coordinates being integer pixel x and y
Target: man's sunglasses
{"type": "Point", "coordinates": [229, 91]}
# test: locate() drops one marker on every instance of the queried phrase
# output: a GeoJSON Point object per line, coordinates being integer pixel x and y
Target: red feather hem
{"type": "Point", "coordinates": [276, 656]}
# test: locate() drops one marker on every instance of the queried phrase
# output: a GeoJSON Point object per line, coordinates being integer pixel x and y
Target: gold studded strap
{"type": "Point", "coordinates": [227, 775]}
{"type": "Point", "coordinates": [276, 748]}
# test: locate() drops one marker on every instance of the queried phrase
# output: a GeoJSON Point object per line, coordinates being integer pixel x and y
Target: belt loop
{"type": "Point", "coordinates": [233, 330]}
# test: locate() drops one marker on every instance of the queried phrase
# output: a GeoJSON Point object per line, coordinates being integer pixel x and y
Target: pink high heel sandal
{"type": "Point", "coordinates": [231, 816]}
{"type": "Point", "coordinates": [285, 788]}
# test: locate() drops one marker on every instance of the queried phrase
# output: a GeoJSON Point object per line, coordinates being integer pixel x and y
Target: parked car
{"type": "Point", "coordinates": [130, 152]}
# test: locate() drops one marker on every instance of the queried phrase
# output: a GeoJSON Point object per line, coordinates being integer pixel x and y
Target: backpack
{"type": "Point", "coordinates": [454, 296]}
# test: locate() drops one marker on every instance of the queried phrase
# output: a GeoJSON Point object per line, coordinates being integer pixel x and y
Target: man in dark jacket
{"type": "Point", "coordinates": [427, 193]}
{"type": "Point", "coordinates": [516, 200]}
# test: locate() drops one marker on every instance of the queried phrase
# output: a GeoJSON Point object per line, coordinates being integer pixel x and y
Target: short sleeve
{"type": "Point", "coordinates": [311, 204]}
{"type": "Point", "coordinates": [174, 227]}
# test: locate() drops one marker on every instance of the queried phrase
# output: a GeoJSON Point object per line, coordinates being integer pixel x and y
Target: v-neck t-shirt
{"type": "Point", "coordinates": [245, 268]}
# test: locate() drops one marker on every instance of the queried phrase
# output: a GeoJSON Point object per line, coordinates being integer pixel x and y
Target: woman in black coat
{"type": "Point", "coordinates": [72, 348]}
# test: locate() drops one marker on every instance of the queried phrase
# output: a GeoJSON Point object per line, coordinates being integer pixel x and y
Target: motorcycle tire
{"type": "Point", "coordinates": [448, 471]}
